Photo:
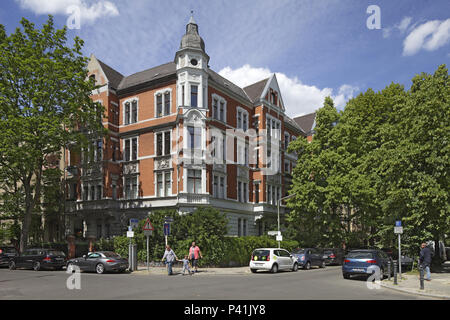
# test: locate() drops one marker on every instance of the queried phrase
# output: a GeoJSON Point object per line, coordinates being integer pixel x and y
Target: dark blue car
{"type": "Point", "coordinates": [309, 257]}
{"type": "Point", "coordinates": [365, 262]}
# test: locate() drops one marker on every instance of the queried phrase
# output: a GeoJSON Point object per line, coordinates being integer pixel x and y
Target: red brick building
{"type": "Point", "coordinates": [168, 147]}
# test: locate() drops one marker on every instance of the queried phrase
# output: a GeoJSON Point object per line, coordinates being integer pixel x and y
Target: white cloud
{"type": "Point", "coordinates": [430, 36]}
{"type": "Point", "coordinates": [88, 13]}
{"type": "Point", "coordinates": [401, 27]}
{"type": "Point", "coordinates": [298, 98]}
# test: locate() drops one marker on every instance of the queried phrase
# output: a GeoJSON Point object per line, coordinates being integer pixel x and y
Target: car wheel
{"type": "Point", "coordinates": [37, 266]}
{"type": "Point", "coordinates": [346, 276]}
{"type": "Point", "coordinates": [274, 268]}
{"type": "Point", "coordinates": [295, 267]}
{"type": "Point", "coordinates": [253, 270]}
{"type": "Point", "coordinates": [322, 265]}
{"type": "Point", "coordinates": [12, 265]}
{"type": "Point", "coordinates": [100, 268]}
{"type": "Point", "coordinates": [307, 266]}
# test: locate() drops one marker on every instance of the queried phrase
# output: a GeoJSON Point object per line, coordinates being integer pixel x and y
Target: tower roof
{"type": "Point", "coordinates": [192, 39]}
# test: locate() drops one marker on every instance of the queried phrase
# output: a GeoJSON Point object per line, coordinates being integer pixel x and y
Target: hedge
{"type": "Point", "coordinates": [226, 252]}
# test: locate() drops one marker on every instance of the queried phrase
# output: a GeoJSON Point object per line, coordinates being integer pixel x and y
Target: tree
{"type": "Point", "coordinates": [44, 106]}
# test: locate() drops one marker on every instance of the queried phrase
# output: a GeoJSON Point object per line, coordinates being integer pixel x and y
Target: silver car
{"type": "Point", "coordinates": [100, 262]}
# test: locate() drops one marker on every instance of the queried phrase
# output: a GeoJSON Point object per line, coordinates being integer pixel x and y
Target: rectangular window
{"type": "Point", "coordinates": [195, 134]}
{"type": "Point", "coordinates": [167, 103]}
{"type": "Point", "coordinates": [215, 109]}
{"type": "Point", "coordinates": [134, 187]}
{"type": "Point", "coordinates": [224, 148]}
{"type": "Point", "coordinates": [245, 192]}
{"type": "Point", "coordinates": [222, 111]}
{"type": "Point", "coordinates": [240, 191]}
{"type": "Point", "coordinates": [194, 96]}
{"type": "Point", "coordinates": [99, 192]}
{"type": "Point", "coordinates": [269, 193]}
{"type": "Point", "coordinates": [256, 192]}
{"type": "Point", "coordinates": [127, 150]}
{"type": "Point", "coordinates": [114, 192]}
{"type": "Point", "coordinates": [244, 122]}
{"type": "Point", "coordinates": [215, 186]}
{"type": "Point", "coordinates": [194, 181]}
{"type": "Point", "coordinates": [127, 113]}
{"type": "Point", "coordinates": [134, 111]}
{"type": "Point", "coordinates": [134, 149]}
{"type": "Point", "coordinates": [167, 184]}
{"type": "Point", "coordinates": [274, 202]}
{"type": "Point", "coordinates": [159, 144]}
{"type": "Point", "coordinates": [159, 184]}
{"type": "Point", "coordinates": [246, 155]}
{"type": "Point", "coordinates": [222, 188]}
{"type": "Point", "coordinates": [92, 193]}
{"type": "Point", "coordinates": [99, 153]}
{"type": "Point", "coordinates": [159, 105]}
{"type": "Point", "coordinates": [213, 146]}
{"type": "Point", "coordinates": [182, 95]}
{"type": "Point", "coordinates": [167, 142]}
{"type": "Point", "coordinates": [85, 193]}
{"type": "Point", "coordinates": [269, 159]}
{"type": "Point", "coordinates": [239, 120]}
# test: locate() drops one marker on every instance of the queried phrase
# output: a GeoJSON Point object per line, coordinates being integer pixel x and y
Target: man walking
{"type": "Point", "coordinates": [425, 260]}
{"type": "Point", "coordinates": [170, 257]}
{"type": "Point", "coordinates": [194, 254]}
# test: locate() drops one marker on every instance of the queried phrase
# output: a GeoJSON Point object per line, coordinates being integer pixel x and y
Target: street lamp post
{"type": "Point", "coordinates": [279, 202]}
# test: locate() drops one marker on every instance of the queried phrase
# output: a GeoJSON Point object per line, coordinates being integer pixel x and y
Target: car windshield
{"type": "Point", "coordinates": [299, 251]}
{"type": "Point", "coordinates": [56, 253]}
{"type": "Point", "coordinates": [111, 254]}
{"type": "Point", "coordinates": [360, 255]}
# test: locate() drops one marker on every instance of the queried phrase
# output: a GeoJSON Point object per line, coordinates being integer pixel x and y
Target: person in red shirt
{"type": "Point", "coordinates": [194, 255]}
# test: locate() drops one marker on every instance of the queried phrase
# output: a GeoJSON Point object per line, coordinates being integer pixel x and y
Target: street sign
{"type": "Point", "coordinates": [274, 233]}
{"type": "Point", "coordinates": [134, 223]}
{"type": "Point", "coordinates": [148, 233]}
{"type": "Point", "coordinates": [398, 230]}
{"type": "Point", "coordinates": [166, 229]}
{"type": "Point", "coordinates": [148, 226]}
{"type": "Point", "coordinates": [130, 234]}
{"type": "Point", "coordinates": [168, 219]}
{"type": "Point", "coordinates": [398, 223]}
{"type": "Point", "coordinates": [280, 238]}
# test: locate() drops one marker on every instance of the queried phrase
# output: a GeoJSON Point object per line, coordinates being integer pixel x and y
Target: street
{"type": "Point", "coordinates": [305, 284]}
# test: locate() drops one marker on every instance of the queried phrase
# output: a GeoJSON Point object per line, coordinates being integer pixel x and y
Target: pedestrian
{"type": "Point", "coordinates": [170, 257]}
{"type": "Point", "coordinates": [186, 265]}
{"type": "Point", "coordinates": [194, 255]}
{"type": "Point", "coordinates": [425, 260]}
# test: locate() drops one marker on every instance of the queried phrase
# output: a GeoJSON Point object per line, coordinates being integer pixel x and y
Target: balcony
{"type": "Point", "coordinates": [193, 198]}
{"type": "Point", "coordinates": [91, 205]}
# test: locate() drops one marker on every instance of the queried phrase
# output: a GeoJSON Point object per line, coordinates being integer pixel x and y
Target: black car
{"type": "Point", "coordinates": [6, 254]}
{"type": "Point", "coordinates": [38, 259]}
{"type": "Point", "coordinates": [99, 262]}
{"type": "Point", "coordinates": [333, 256]}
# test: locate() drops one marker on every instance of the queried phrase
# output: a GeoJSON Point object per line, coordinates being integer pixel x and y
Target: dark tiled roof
{"type": "Point", "coordinates": [294, 124]}
{"type": "Point", "coordinates": [148, 75]}
{"type": "Point", "coordinates": [214, 76]}
{"type": "Point", "coordinates": [113, 76]}
{"type": "Point", "coordinates": [255, 90]}
{"type": "Point", "coordinates": [306, 122]}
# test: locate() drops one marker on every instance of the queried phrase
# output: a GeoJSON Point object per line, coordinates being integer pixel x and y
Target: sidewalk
{"type": "Point", "coordinates": [438, 287]}
{"type": "Point", "coordinates": [177, 270]}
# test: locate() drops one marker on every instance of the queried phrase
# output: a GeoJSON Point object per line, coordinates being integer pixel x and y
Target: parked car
{"type": "Point", "coordinates": [407, 262]}
{"type": "Point", "coordinates": [6, 254]}
{"type": "Point", "coordinates": [333, 256]}
{"type": "Point", "coordinates": [309, 257]}
{"type": "Point", "coordinates": [365, 262]}
{"type": "Point", "coordinates": [272, 259]}
{"type": "Point", "coordinates": [99, 261]}
{"type": "Point", "coordinates": [38, 259]}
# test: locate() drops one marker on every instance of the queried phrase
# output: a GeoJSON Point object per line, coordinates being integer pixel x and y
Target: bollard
{"type": "Point", "coordinates": [389, 270]}
{"type": "Point", "coordinates": [395, 272]}
{"type": "Point", "coordinates": [421, 276]}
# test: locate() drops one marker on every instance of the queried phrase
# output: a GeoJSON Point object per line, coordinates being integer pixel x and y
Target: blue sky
{"type": "Point", "coordinates": [317, 48]}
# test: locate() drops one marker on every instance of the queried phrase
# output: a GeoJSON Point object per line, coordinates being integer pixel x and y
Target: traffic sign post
{"type": "Point", "coordinates": [148, 230]}
{"type": "Point", "coordinates": [398, 229]}
{"type": "Point", "coordinates": [134, 223]}
{"type": "Point", "coordinates": [166, 230]}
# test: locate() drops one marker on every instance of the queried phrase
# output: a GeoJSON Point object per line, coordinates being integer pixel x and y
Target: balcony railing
{"type": "Point", "coordinates": [193, 198]}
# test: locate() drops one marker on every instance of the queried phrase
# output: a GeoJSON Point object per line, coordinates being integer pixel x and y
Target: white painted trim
{"type": "Point", "coordinates": [130, 100]}
{"type": "Point", "coordinates": [162, 92]}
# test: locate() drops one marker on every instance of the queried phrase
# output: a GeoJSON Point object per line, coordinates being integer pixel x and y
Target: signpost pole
{"type": "Point", "coordinates": [147, 254]}
{"type": "Point", "coordinates": [399, 255]}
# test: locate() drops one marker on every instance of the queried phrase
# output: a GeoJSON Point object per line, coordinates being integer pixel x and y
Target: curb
{"type": "Point", "coordinates": [416, 293]}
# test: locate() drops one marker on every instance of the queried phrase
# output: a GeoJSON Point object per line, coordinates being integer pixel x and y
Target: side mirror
{"type": "Point", "coordinates": [84, 256]}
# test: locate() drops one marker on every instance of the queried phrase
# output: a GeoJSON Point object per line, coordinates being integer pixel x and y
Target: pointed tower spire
{"type": "Point", "coordinates": [191, 20]}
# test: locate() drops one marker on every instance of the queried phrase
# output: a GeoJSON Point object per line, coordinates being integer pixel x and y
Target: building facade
{"type": "Point", "coordinates": [181, 136]}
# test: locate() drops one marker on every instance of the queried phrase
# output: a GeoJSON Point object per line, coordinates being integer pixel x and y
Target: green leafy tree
{"type": "Point", "coordinates": [44, 106]}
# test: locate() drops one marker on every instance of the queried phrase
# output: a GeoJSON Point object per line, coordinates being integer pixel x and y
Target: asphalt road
{"type": "Point", "coordinates": [305, 284]}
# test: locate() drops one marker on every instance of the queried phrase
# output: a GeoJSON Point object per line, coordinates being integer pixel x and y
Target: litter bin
{"type": "Point", "coordinates": [132, 257]}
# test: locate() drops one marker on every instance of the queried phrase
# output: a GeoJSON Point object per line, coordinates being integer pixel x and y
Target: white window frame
{"type": "Point", "coordinates": [220, 100]}
{"type": "Point", "coordinates": [163, 132]}
{"type": "Point", "coordinates": [130, 100]}
{"type": "Point", "coordinates": [163, 92]}
{"type": "Point", "coordinates": [244, 113]}
{"type": "Point", "coordinates": [131, 148]}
